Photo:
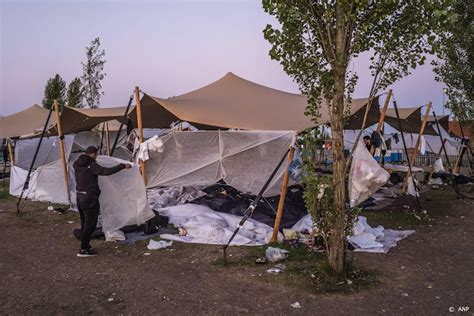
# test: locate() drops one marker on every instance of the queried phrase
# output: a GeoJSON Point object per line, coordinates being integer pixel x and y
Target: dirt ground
{"type": "Point", "coordinates": [425, 274]}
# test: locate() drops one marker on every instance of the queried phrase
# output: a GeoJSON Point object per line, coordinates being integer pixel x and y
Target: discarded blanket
{"type": "Point", "coordinates": [205, 226]}
{"type": "Point", "coordinates": [365, 238]}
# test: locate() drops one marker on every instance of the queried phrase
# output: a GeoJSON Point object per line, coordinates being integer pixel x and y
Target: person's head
{"type": "Point", "coordinates": [367, 140]}
{"type": "Point", "coordinates": [92, 152]}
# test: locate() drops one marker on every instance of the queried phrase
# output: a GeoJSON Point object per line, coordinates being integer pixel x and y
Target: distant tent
{"type": "Point", "coordinates": [235, 103]}
{"type": "Point", "coordinates": [26, 122]}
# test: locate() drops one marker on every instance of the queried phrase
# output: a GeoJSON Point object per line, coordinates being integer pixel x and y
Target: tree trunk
{"type": "Point", "coordinates": [336, 255]}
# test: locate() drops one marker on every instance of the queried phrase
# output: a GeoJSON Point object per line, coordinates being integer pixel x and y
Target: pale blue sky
{"type": "Point", "coordinates": [165, 47]}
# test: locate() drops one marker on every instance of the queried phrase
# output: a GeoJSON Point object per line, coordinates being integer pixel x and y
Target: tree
{"type": "Point", "coordinates": [315, 43]}
{"type": "Point", "coordinates": [75, 93]}
{"type": "Point", "coordinates": [55, 89]}
{"type": "Point", "coordinates": [455, 66]}
{"type": "Point", "coordinates": [93, 73]}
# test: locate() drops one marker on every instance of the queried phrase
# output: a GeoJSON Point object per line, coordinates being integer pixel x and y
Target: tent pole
{"type": "Point", "coordinates": [140, 129]}
{"type": "Point", "coordinates": [249, 211]}
{"type": "Point", "coordinates": [61, 147]}
{"type": "Point", "coordinates": [107, 138]}
{"type": "Point", "coordinates": [459, 159]}
{"type": "Point", "coordinates": [102, 139]}
{"type": "Point", "coordinates": [27, 180]}
{"type": "Point", "coordinates": [382, 118]}
{"type": "Point", "coordinates": [417, 204]}
{"type": "Point", "coordinates": [442, 142]}
{"type": "Point", "coordinates": [465, 141]}
{"type": "Point", "coordinates": [281, 202]}
{"type": "Point", "coordinates": [10, 152]}
{"type": "Point", "coordinates": [417, 146]}
{"type": "Point", "coordinates": [125, 115]}
{"type": "Point", "coordinates": [437, 157]}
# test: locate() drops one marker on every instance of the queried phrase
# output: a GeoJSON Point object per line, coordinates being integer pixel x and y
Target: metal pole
{"type": "Point", "coordinates": [27, 180]}
{"type": "Point", "coordinates": [442, 142]}
{"type": "Point", "coordinates": [406, 152]}
{"type": "Point", "coordinates": [125, 115]}
{"type": "Point", "coordinates": [61, 147]}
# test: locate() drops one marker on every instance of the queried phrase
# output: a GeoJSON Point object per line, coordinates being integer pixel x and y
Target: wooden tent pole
{"type": "Point", "coordinates": [10, 152]}
{"type": "Point", "coordinates": [281, 202]}
{"type": "Point", "coordinates": [61, 147]}
{"type": "Point", "coordinates": [417, 145]}
{"type": "Point", "coordinates": [107, 139]}
{"type": "Point", "coordinates": [382, 118]}
{"type": "Point", "coordinates": [140, 129]}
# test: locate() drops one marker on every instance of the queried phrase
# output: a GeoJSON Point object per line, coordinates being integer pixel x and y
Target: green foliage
{"type": "Point", "coordinates": [456, 65]}
{"type": "Point", "coordinates": [55, 89]}
{"type": "Point", "coordinates": [316, 41]}
{"type": "Point", "coordinates": [75, 93]}
{"type": "Point", "coordinates": [93, 73]}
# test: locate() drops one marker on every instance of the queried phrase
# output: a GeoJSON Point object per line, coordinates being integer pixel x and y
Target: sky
{"type": "Point", "coordinates": [165, 47]}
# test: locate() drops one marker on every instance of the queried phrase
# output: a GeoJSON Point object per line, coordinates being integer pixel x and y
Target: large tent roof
{"type": "Point", "coordinates": [75, 120]}
{"type": "Point", "coordinates": [442, 120]}
{"type": "Point", "coordinates": [25, 122]}
{"type": "Point", "coordinates": [234, 102]}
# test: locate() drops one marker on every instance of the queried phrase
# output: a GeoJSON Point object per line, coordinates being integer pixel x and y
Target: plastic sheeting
{"type": "Point", "coordinates": [205, 226]}
{"type": "Point", "coordinates": [366, 176]}
{"type": "Point", "coordinates": [243, 159]}
{"type": "Point", "coordinates": [365, 238]}
{"type": "Point", "coordinates": [123, 199]}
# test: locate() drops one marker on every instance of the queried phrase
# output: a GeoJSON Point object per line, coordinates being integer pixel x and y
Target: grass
{"type": "Point", "coordinates": [306, 270]}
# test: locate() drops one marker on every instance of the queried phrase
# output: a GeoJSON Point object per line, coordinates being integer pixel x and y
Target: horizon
{"type": "Point", "coordinates": [167, 48]}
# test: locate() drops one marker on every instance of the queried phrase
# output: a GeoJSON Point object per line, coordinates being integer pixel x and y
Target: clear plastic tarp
{"type": "Point", "coordinates": [243, 159]}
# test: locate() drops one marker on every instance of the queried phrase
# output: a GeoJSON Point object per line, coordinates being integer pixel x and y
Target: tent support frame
{"type": "Point", "coordinates": [417, 201]}
{"type": "Point", "coordinates": [27, 180]}
{"type": "Point", "coordinates": [125, 116]}
{"type": "Point", "coordinates": [442, 142]}
{"type": "Point", "coordinates": [281, 202]}
{"type": "Point", "coordinates": [382, 118]}
{"type": "Point", "coordinates": [416, 150]}
{"type": "Point", "coordinates": [140, 130]}
{"type": "Point", "coordinates": [249, 211]}
{"type": "Point", "coordinates": [61, 147]}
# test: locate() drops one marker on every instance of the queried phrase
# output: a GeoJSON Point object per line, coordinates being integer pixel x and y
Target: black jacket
{"type": "Point", "coordinates": [87, 173]}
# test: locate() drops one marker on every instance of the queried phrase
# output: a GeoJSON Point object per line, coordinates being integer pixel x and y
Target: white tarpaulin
{"type": "Point", "coordinates": [365, 177]}
{"type": "Point", "coordinates": [243, 159]}
{"type": "Point", "coordinates": [364, 238]}
{"type": "Point", "coordinates": [123, 198]}
{"type": "Point", "coordinates": [205, 226]}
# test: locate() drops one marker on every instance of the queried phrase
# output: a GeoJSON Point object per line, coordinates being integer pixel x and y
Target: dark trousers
{"type": "Point", "coordinates": [89, 209]}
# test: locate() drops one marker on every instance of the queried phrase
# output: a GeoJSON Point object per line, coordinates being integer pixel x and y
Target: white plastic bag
{"type": "Point", "coordinates": [275, 254]}
{"type": "Point", "coordinates": [438, 165]}
{"type": "Point", "coordinates": [161, 244]}
{"type": "Point", "coordinates": [411, 189]}
{"type": "Point", "coordinates": [114, 235]}
{"type": "Point", "coordinates": [366, 176]}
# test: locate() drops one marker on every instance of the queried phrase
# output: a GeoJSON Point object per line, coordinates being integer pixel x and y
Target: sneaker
{"type": "Point", "coordinates": [87, 253]}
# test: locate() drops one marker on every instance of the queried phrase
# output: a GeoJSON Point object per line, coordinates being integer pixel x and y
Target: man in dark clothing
{"type": "Point", "coordinates": [368, 142]}
{"type": "Point", "coordinates": [87, 172]}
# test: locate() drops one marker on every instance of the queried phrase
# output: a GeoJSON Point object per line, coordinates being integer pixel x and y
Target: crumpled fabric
{"type": "Point", "coordinates": [438, 165]}
{"type": "Point", "coordinates": [170, 196]}
{"type": "Point", "coordinates": [152, 144]}
{"type": "Point", "coordinates": [364, 238]}
{"type": "Point", "coordinates": [205, 226]}
{"type": "Point", "coordinates": [366, 176]}
{"type": "Point", "coordinates": [411, 189]}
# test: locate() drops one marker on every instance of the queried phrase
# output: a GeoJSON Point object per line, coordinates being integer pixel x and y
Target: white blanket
{"type": "Point", "coordinates": [205, 226]}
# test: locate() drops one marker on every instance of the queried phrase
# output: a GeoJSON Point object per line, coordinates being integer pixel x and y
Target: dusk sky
{"type": "Point", "coordinates": [165, 47]}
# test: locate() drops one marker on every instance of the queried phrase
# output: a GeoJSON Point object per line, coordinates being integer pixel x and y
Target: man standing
{"type": "Point", "coordinates": [87, 187]}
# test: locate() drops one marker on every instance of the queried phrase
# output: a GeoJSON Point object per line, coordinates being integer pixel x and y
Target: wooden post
{"type": "Point", "coordinates": [281, 202]}
{"type": "Point", "coordinates": [107, 139]}
{"type": "Point", "coordinates": [10, 152]}
{"type": "Point", "coordinates": [382, 118]}
{"type": "Point", "coordinates": [61, 147]}
{"type": "Point", "coordinates": [140, 129]}
{"type": "Point", "coordinates": [417, 145]}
